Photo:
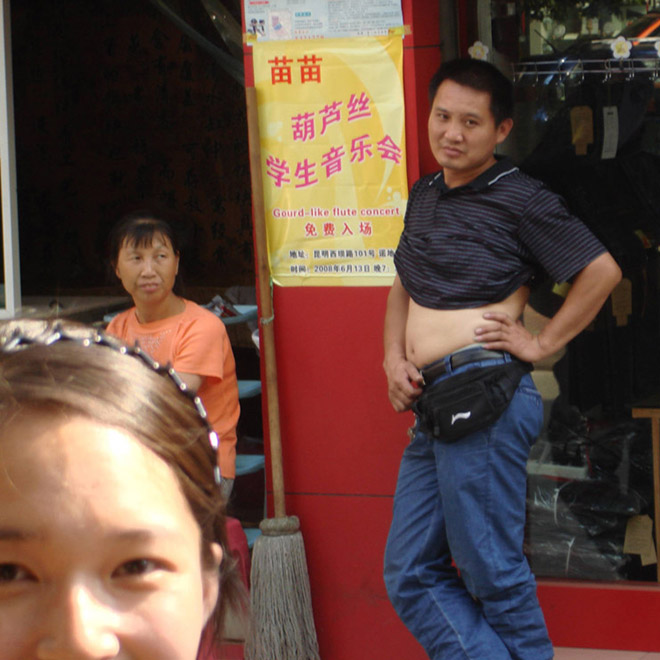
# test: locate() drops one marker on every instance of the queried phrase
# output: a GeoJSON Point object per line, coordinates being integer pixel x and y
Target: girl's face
{"type": "Point", "coordinates": [100, 555]}
{"type": "Point", "coordinates": [148, 272]}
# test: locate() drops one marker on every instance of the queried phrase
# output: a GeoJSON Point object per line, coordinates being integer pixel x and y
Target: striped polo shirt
{"type": "Point", "coordinates": [476, 244]}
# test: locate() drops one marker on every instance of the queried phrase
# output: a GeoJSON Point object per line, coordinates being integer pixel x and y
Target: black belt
{"type": "Point", "coordinates": [438, 368]}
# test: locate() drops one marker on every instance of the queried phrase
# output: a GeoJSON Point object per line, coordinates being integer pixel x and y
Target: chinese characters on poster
{"type": "Point", "coordinates": [331, 118]}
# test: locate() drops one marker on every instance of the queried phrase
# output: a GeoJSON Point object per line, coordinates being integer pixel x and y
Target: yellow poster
{"type": "Point", "coordinates": [331, 119]}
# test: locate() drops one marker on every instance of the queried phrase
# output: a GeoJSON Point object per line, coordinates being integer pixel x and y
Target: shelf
{"type": "Point", "coordinates": [248, 388]}
{"type": "Point", "coordinates": [252, 534]}
{"type": "Point", "coordinates": [245, 313]}
{"type": "Point", "coordinates": [542, 465]}
{"type": "Point", "coordinates": [249, 463]}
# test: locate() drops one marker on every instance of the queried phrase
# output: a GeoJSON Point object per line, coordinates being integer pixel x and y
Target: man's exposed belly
{"type": "Point", "coordinates": [434, 333]}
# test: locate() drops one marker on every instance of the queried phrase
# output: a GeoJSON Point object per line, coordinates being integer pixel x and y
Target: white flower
{"type": "Point", "coordinates": [656, 45]}
{"type": "Point", "coordinates": [621, 48]}
{"type": "Point", "coordinates": [478, 51]}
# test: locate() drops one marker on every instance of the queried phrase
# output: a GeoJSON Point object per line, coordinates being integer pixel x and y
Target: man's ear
{"type": "Point", "coordinates": [211, 582]}
{"type": "Point", "coordinates": [504, 129]}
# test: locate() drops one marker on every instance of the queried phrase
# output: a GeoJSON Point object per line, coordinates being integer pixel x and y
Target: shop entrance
{"type": "Point", "coordinates": [587, 84]}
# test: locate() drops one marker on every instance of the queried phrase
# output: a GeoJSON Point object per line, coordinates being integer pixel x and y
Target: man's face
{"type": "Point", "coordinates": [462, 132]}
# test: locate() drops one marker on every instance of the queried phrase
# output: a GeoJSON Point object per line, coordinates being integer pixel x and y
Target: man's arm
{"type": "Point", "coordinates": [590, 289]}
{"type": "Point", "coordinates": [403, 378]}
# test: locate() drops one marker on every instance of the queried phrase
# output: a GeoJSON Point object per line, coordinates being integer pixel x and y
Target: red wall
{"type": "Point", "coordinates": [342, 443]}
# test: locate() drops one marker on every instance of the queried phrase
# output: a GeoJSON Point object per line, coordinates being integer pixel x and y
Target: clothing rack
{"type": "Point", "coordinates": [576, 70]}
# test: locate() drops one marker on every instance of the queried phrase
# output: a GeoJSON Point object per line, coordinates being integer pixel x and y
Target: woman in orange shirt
{"type": "Point", "coordinates": [145, 257]}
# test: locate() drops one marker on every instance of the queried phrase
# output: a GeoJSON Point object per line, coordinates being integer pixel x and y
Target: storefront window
{"type": "Point", "coordinates": [587, 83]}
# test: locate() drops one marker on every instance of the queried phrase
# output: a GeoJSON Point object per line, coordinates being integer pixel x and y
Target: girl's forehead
{"type": "Point", "coordinates": [95, 473]}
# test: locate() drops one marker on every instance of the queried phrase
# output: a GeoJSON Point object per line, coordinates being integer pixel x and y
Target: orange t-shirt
{"type": "Point", "coordinates": [194, 342]}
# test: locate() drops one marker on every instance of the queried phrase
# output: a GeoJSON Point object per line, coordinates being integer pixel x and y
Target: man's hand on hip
{"type": "Point", "coordinates": [502, 333]}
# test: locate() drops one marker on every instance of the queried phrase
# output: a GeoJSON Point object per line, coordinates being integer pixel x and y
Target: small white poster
{"type": "Point", "coordinates": [279, 20]}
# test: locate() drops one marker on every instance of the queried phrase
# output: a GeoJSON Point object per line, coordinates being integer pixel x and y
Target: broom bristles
{"type": "Point", "coordinates": [282, 626]}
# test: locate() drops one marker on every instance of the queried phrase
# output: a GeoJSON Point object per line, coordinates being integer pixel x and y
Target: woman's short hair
{"type": "Point", "coordinates": [96, 377]}
{"type": "Point", "coordinates": [138, 229]}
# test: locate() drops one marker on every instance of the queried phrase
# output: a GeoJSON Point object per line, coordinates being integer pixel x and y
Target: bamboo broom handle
{"type": "Point", "coordinates": [266, 303]}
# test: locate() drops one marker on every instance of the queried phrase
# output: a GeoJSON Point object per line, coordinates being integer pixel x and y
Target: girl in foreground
{"type": "Point", "coordinates": [112, 530]}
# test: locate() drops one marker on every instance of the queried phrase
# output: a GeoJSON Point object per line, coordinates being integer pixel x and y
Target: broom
{"type": "Point", "coordinates": [282, 626]}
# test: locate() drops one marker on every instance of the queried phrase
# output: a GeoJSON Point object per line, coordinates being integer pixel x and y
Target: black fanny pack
{"type": "Point", "coordinates": [468, 402]}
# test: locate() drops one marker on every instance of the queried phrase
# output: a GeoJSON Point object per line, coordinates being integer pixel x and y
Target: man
{"type": "Point", "coordinates": [476, 236]}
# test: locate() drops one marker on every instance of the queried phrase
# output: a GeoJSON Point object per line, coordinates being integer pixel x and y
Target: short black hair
{"type": "Point", "coordinates": [479, 75]}
{"type": "Point", "coordinates": [138, 229]}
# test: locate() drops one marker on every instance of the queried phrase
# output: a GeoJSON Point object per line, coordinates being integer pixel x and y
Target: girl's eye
{"type": "Point", "coordinates": [13, 573]}
{"type": "Point", "coordinates": [136, 567]}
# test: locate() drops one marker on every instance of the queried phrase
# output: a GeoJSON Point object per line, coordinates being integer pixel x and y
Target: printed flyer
{"type": "Point", "coordinates": [315, 19]}
{"type": "Point", "coordinates": [331, 121]}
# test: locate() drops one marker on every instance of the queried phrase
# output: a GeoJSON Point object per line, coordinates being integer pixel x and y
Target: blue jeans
{"type": "Point", "coordinates": [466, 501]}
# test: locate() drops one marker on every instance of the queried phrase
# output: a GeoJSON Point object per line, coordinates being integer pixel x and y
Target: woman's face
{"type": "Point", "coordinates": [148, 272]}
{"type": "Point", "coordinates": [99, 550]}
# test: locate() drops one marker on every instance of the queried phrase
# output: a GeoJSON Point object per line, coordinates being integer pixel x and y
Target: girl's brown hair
{"type": "Point", "coordinates": [102, 381]}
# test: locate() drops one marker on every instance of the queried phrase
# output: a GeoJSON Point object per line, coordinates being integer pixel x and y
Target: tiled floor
{"type": "Point", "coordinates": [597, 654]}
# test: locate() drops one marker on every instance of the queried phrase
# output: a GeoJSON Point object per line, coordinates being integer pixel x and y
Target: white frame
{"type": "Point", "coordinates": [12, 280]}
